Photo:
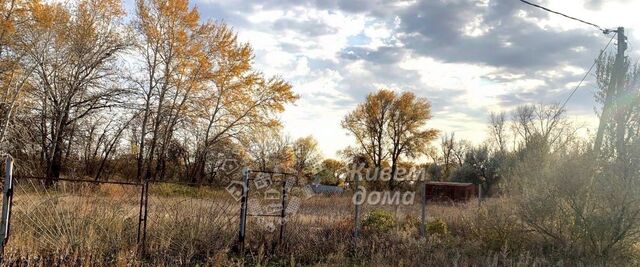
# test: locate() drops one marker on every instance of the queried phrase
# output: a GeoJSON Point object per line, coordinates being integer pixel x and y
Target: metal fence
{"type": "Point", "coordinates": [180, 218]}
{"type": "Point", "coordinates": [151, 216]}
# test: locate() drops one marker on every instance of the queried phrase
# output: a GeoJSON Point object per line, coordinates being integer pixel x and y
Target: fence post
{"type": "Point", "coordinates": [423, 224]}
{"type": "Point", "coordinates": [243, 208]}
{"type": "Point", "coordinates": [479, 194]}
{"type": "Point", "coordinates": [356, 220]}
{"type": "Point", "coordinates": [282, 212]}
{"type": "Point", "coordinates": [142, 217]}
{"type": "Point", "coordinates": [146, 213]}
{"type": "Point", "coordinates": [7, 198]}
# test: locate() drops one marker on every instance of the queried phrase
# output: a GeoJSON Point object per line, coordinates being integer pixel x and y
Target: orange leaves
{"type": "Point", "coordinates": [387, 124]}
{"type": "Point", "coordinates": [170, 22]}
{"type": "Point", "coordinates": [178, 11]}
{"type": "Point", "coordinates": [198, 73]}
{"type": "Point", "coordinates": [110, 8]}
{"type": "Point", "coordinates": [46, 15]}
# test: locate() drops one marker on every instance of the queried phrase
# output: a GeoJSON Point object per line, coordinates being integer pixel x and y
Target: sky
{"type": "Point", "coordinates": [467, 57]}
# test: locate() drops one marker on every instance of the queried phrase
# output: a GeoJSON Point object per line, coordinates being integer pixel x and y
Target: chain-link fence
{"type": "Point", "coordinates": [85, 221]}
{"type": "Point", "coordinates": [68, 216]}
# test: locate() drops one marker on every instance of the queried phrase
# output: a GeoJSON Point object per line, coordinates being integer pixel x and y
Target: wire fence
{"type": "Point", "coordinates": [266, 212]}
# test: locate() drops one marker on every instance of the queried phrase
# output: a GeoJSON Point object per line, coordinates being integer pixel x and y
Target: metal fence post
{"type": "Point", "coordinates": [243, 208]}
{"type": "Point", "coordinates": [7, 198]}
{"type": "Point", "coordinates": [356, 220]}
{"type": "Point", "coordinates": [282, 211]}
{"type": "Point", "coordinates": [146, 213]}
{"type": "Point", "coordinates": [142, 217]}
{"type": "Point", "coordinates": [423, 224]}
{"type": "Point", "coordinates": [479, 194]}
{"type": "Point", "coordinates": [140, 211]}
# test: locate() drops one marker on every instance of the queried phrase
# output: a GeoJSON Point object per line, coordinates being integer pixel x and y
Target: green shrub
{"type": "Point", "coordinates": [379, 221]}
{"type": "Point", "coordinates": [410, 223]}
{"type": "Point", "coordinates": [437, 227]}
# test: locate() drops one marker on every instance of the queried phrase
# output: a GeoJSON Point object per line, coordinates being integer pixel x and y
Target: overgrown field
{"type": "Point", "coordinates": [97, 225]}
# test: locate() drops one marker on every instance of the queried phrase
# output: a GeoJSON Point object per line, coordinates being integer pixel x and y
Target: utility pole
{"type": "Point", "coordinates": [615, 85]}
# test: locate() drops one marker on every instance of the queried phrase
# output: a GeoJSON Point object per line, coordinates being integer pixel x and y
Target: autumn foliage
{"type": "Point", "coordinates": [163, 95]}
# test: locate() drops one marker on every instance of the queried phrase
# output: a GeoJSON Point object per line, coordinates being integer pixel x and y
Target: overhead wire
{"type": "Point", "coordinates": [605, 31]}
{"type": "Point", "coordinates": [586, 74]}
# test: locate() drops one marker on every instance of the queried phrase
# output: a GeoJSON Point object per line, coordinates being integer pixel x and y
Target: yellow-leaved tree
{"type": "Point", "coordinates": [72, 51]}
{"type": "Point", "coordinates": [389, 126]}
{"type": "Point", "coordinates": [197, 75]}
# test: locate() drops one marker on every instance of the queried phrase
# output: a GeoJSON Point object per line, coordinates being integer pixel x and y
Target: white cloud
{"type": "Point", "coordinates": [327, 82]}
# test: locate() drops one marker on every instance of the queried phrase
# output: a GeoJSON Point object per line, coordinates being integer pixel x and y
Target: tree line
{"type": "Point", "coordinates": [88, 91]}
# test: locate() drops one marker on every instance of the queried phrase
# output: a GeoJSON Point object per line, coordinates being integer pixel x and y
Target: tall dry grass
{"type": "Point", "coordinates": [85, 225]}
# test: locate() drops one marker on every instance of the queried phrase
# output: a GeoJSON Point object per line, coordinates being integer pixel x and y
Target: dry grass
{"type": "Point", "coordinates": [97, 225]}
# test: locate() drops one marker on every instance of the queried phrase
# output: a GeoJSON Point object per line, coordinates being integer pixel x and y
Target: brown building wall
{"type": "Point", "coordinates": [444, 191]}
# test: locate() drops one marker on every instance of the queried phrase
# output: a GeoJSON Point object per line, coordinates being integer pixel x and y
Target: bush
{"type": "Point", "coordinates": [584, 210]}
{"type": "Point", "coordinates": [496, 226]}
{"type": "Point", "coordinates": [437, 227]}
{"type": "Point", "coordinates": [379, 221]}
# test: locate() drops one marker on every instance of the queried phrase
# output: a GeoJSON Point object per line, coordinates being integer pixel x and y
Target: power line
{"type": "Point", "coordinates": [585, 75]}
{"type": "Point", "coordinates": [605, 31]}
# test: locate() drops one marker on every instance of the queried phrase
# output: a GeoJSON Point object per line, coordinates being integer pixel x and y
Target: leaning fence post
{"type": "Point", "coordinates": [146, 213]}
{"type": "Point", "coordinates": [423, 224]}
{"type": "Point", "coordinates": [243, 208]}
{"type": "Point", "coordinates": [7, 198]}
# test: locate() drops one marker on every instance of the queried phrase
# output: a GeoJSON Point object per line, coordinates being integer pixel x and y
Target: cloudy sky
{"type": "Point", "coordinates": [468, 57]}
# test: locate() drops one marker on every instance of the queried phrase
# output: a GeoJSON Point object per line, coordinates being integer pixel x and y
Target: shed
{"type": "Point", "coordinates": [450, 191]}
{"type": "Point", "coordinates": [326, 189]}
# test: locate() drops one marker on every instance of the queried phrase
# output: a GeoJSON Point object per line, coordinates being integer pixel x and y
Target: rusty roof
{"type": "Point", "coordinates": [449, 183]}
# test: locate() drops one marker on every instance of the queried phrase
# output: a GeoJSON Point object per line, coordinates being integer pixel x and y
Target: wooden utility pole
{"type": "Point", "coordinates": [615, 85]}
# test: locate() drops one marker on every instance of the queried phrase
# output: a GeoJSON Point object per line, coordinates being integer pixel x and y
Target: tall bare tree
{"type": "Point", "coordinates": [447, 145]}
{"type": "Point", "coordinates": [543, 124]}
{"type": "Point", "coordinates": [497, 130]}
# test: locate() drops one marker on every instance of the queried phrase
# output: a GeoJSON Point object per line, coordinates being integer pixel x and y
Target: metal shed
{"type": "Point", "coordinates": [450, 191]}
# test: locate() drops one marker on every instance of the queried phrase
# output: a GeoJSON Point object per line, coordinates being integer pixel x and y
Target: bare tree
{"type": "Point", "coordinates": [542, 124]}
{"type": "Point", "coordinates": [447, 145]}
{"type": "Point", "coordinates": [271, 150]}
{"type": "Point", "coordinates": [497, 130]}
{"type": "Point", "coordinates": [460, 148]}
